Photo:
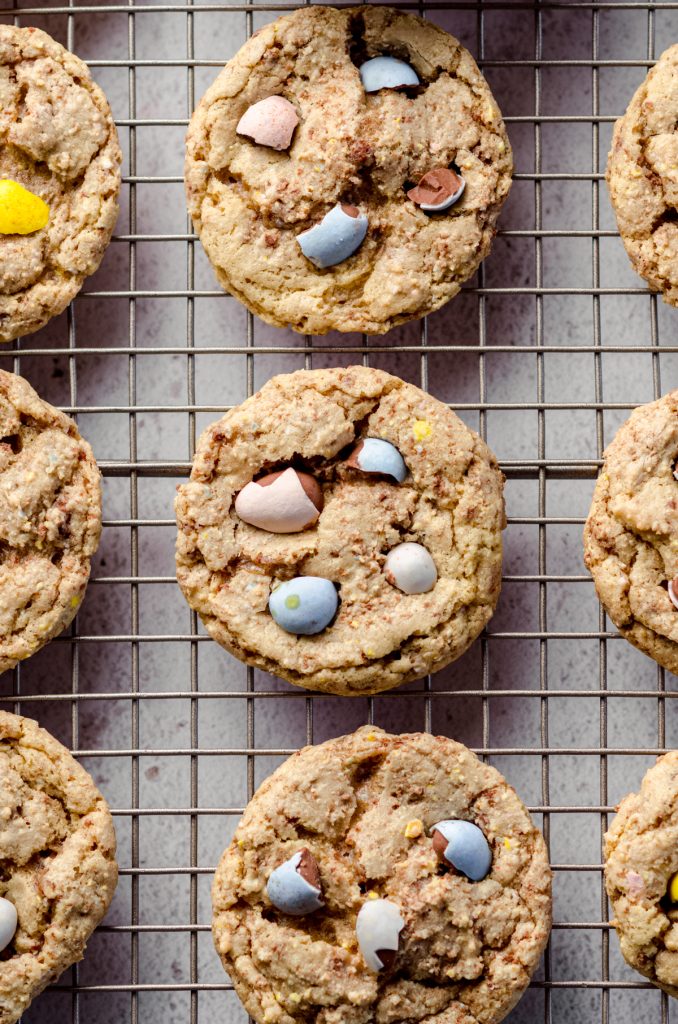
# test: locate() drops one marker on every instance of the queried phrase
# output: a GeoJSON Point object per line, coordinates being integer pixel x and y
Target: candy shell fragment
{"type": "Point", "coordinates": [374, 455]}
{"type": "Point", "coordinates": [270, 122]}
{"type": "Point", "coordinates": [463, 845]}
{"type": "Point", "coordinates": [8, 922]}
{"type": "Point", "coordinates": [437, 190]}
{"type": "Point", "coordinates": [21, 211]}
{"type": "Point", "coordinates": [387, 73]}
{"type": "Point", "coordinates": [378, 928]}
{"type": "Point", "coordinates": [294, 886]}
{"type": "Point", "coordinates": [335, 237]}
{"type": "Point", "coordinates": [283, 502]}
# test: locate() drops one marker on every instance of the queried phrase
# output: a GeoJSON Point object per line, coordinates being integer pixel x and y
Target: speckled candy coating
{"type": "Point", "coordinates": [336, 237]}
{"type": "Point", "coordinates": [466, 950]}
{"type": "Point", "coordinates": [466, 848]}
{"type": "Point", "coordinates": [304, 605]}
{"type": "Point", "coordinates": [450, 502]}
{"type": "Point", "coordinates": [50, 520]}
{"type": "Point", "coordinates": [290, 892]}
{"type": "Point", "coordinates": [270, 122]}
{"type": "Point", "coordinates": [249, 205]}
{"type": "Point", "coordinates": [410, 568]}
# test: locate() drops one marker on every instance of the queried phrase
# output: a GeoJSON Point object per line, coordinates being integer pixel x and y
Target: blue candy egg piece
{"type": "Point", "coordinates": [467, 848]}
{"type": "Point", "coordinates": [289, 892]}
{"type": "Point", "coordinates": [304, 605]}
{"type": "Point", "coordinates": [387, 73]}
{"type": "Point", "coordinates": [379, 456]}
{"type": "Point", "coordinates": [335, 238]}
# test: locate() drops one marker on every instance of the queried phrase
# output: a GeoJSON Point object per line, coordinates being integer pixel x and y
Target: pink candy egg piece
{"type": "Point", "coordinates": [278, 503]}
{"type": "Point", "coordinates": [270, 122]}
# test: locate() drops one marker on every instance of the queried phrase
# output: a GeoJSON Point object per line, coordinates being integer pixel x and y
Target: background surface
{"type": "Point", "coordinates": [544, 353]}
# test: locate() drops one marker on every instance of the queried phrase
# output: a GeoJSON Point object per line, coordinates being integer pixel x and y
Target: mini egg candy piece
{"type": "Point", "coordinates": [673, 591]}
{"type": "Point", "coordinates": [437, 190]}
{"type": "Point", "coordinates": [283, 502]}
{"type": "Point", "coordinates": [373, 455]}
{"type": "Point", "coordinates": [8, 922]}
{"type": "Point", "coordinates": [410, 568]}
{"type": "Point", "coordinates": [672, 888]}
{"type": "Point", "coordinates": [335, 238]}
{"type": "Point", "coordinates": [378, 927]}
{"type": "Point", "coordinates": [463, 845]}
{"type": "Point", "coordinates": [294, 887]}
{"type": "Point", "coordinates": [387, 73]}
{"type": "Point", "coordinates": [304, 605]}
{"type": "Point", "coordinates": [270, 122]}
{"type": "Point", "coordinates": [21, 211]}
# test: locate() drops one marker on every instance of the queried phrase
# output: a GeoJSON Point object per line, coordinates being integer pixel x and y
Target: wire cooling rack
{"type": "Point", "coordinates": [544, 353]}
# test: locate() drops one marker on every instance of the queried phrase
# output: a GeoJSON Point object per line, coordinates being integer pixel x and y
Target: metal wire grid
{"type": "Point", "coordinates": [108, 660]}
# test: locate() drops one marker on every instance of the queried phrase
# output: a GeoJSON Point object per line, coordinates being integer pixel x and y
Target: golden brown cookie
{"type": "Point", "coordinates": [364, 807]}
{"type": "Point", "coordinates": [631, 534]}
{"type": "Point", "coordinates": [641, 859]}
{"type": "Point", "coordinates": [250, 202]}
{"type": "Point", "coordinates": [642, 175]}
{"type": "Point", "coordinates": [57, 853]}
{"type": "Point", "coordinates": [50, 519]}
{"type": "Point", "coordinates": [450, 502]}
{"type": "Point", "coordinates": [58, 140]}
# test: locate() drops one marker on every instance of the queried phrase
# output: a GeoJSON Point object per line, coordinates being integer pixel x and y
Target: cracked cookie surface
{"type": "Point", "coordinates": [630, 538]}
{"type": "Point", "coordinates": [467, 949]}
{"type": "Point", "coordinates": [642, 176]}
{"type": "Point", "coordinates": [641, 856]}
{"type": "Point", "coordinates": [50, 519]}
{"type": "Point", "coordinates": [451, 502]}
{"type": "Point", "coordinates": [248, 203]}
{"type": "Point", "coordinates": [59, 141]}
{"type": "Point", "coordinates": [57, 854]}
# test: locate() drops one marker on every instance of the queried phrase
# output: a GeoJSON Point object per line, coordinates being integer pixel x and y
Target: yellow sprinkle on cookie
{"type": "Point", "coordinates": [21, 212]}
{"type": "Point", "coordinates": [421, 430]}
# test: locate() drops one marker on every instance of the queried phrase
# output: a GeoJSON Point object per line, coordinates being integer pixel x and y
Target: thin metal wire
{"type": "Point", "coordinates": [540, 470]}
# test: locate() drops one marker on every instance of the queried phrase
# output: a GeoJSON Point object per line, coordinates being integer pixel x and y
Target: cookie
{"type": "Point", "coordinates": [401, 934]}
{"type": "Point", "coordinates": [642, 177]}
{"type": "Point", "coordinates": [50, 519]}
{"type": "Point", "coordinates": [362, 133]}
{"type": "Point", "coordinates": [630, 544]}
{"type": "Point", "coordinates": [320, 607]}
{"type": "Point", "coordinates": [57, 851]}
{"type": "Point", "coordinates": [58, 141]}
{"type": "Point", "coordinates": [641, 863]}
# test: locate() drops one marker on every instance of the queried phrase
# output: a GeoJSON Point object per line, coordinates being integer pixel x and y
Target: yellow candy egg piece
{"type": "Point", "coordinates": [673, 888]}
{"type": "Point", "coordinates": [21, 212]}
